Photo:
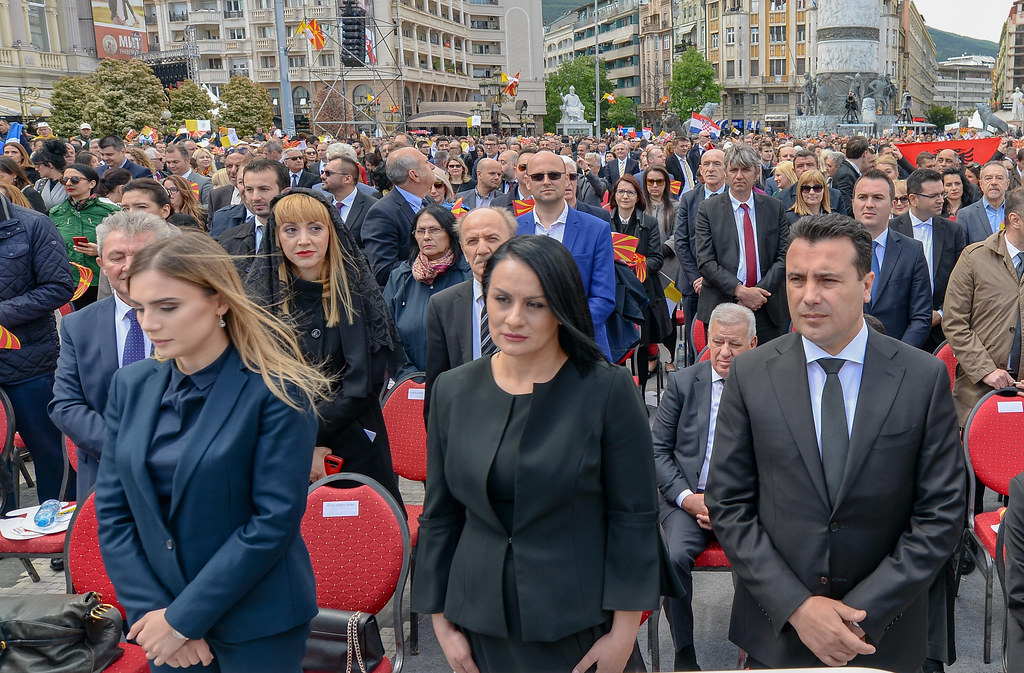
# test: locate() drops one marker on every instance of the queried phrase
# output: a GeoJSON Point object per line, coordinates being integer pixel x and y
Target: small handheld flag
{"type": "Point", "coordinates": [7, 340]}
{"type": "Point", "coordinates": [84, 279]}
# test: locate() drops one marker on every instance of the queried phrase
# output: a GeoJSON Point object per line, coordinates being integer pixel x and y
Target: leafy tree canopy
{"type": "Point", "coordinates": [123, 95]}
{"type": "Point", "coordinates": [244, 106]}
{"type": "Point", "coordinates": [940, 115]}
{"type": "Point", "coordinates": [693, 84]}
{"type": "Point", "coordinates": [578, 73]}
{"type": "Point", "coordinates": [189, 101]}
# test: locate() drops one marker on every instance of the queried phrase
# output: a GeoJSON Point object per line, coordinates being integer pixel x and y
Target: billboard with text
{"type": "Point", "coordinates": [120, 28]}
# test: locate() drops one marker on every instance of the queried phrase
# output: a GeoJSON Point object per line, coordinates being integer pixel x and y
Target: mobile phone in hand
{"type": "Point", "coordinates": [332, 464]}
{"type": "Point", "coordinates": [80, 240]}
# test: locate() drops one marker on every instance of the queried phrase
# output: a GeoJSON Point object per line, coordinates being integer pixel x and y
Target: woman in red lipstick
{"type": "Point", "coordinates": [539, 544]}
{"type": "Point", "coordinates": [315, 275]}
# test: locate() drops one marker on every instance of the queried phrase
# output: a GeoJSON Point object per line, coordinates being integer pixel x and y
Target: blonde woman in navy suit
{"type": "Point", "coordinates": [203, 481]}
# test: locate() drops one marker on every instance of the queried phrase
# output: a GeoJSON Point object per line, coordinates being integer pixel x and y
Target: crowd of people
{"type": "Point", "coordinates": [247, 305]}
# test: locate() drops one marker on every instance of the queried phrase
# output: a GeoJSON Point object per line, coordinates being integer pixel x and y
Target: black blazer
{"type": "Point", "coordinates": [1013, 539]}
{"type": "Point", "coordinates": [450, 319]}
{"type": "Point", "coordinates": [686, 224]}
{"type": "Point", "coordinates": [226, 218]}
{"type": "Point", "coordinates": [718, 253]}
{"type": "Point", "coordinates": [680, 430]}
{"type": "Point", "coordinates": [596, 211]}
{"type": "Point", "coordinates": [306, 179]}
{"type": "Point", "coordinates": [897, 517]}
{"type": "Point", "coordinates": [674, 166]}
{"type": "Point", "coordinates": [904, 299]}
{"type": "Point", "coordinates": [136, 170]}
{"type": "Point", "coordinates": [693, 158]}
{"type": "Point", "coordinates": [385, 234]}
{"type": "Point", "coordinates": [585, 539]}
{"type": "Point", "coordinates": [360, 206]}
{"type": "Point", "coordinates": [611, 170]}
{"type": "Point", "coordinates": [221, 197]}
{"type": "Point", "coordinates": [845, 178]}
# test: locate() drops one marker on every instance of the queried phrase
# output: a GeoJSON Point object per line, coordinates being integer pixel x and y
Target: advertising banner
{"type": "Point", "coordinates": [120, 28]}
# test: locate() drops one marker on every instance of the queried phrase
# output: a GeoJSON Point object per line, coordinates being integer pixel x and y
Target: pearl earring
{"type": "Point", "coordinates": [222, 323]}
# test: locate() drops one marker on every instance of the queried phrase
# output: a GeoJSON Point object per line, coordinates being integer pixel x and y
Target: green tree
{"type": "Point", "coordinates": [66, 101]}
{"type": "Point", "coordinates": [940, 115]}
{"type": "Point", "coordinates": [244, 106]}
{"type": "Point", "coordinates": [621, 113]}
{"type": "Point", "coordinates": [578, 73]}
{"type": "Point", "coordinates": [123, 95]}
{"type": "Point", "coordinates": [189, 101]}
{"type": "Point", "coordinates": [693, 84]}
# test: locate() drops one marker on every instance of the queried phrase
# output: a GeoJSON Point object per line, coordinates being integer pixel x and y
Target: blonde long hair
{"type": "Point", "coordinates": [265, 344]}
{"type": "Point", "coordinates": [334, 274]}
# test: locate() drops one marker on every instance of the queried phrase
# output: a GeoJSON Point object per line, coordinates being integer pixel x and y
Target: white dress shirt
{"type": "Point", "coordinates": [557, 228]}
{"type": "Point", "coordinates": [346, 205]}
{"type": "Point", "coordinates": [849, 376]}
{"type": "Point", "coordinates": [741, 270]}
{"type": "Point", "coordinates": [717, 384]}
{"type": "Point", "coordinates": [478, 308]}
{"type": "Point", "coordinates": [923, 231]}
{"type": "Point", "coordinates": [121, 326]}
{"type": "Point", "coordinates": [236, 197]}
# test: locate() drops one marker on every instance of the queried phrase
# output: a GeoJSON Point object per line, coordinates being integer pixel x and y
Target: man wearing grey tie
{"type": "Point", "coordinates": [836, 485]}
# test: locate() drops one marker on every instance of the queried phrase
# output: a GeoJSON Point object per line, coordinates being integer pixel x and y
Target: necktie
{"type": "Point", "coordinates": [134, 342]}
{"type": "Point", "coordinates": [876, 268]}
{"type": "Point", "coordinates": [295, 179]}
{"type": "Point", "coordinates": [486, 345]}
{"type": "Point", "coordinates": [835, 435]}
{"type": "Point", "coordinates": [341, 209]}
{"type": "Point", "coordinates": [749, 247]}
{"type": "Point", "coordinates": [1014, 365]}
{"type": "Point", "coordinates": [259, 238]}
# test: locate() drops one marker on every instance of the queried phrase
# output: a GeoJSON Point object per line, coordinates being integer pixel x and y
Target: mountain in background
{"type": "Point", "coordinates": [948, 45]}
{"type": "Point", "coordinates": [556, 8]}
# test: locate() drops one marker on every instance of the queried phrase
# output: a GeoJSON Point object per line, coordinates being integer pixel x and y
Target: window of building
{"type": "Point", "coordinates": [776, 34]}
{"type": "Point", "coordinates": [777, 5]}
{"type": "Point", "coordinates": [714, 40]}
{"type": "Point", "coordinates": [325, 60]}
{"type": "Point", "coordinates": [737, 100]}
{"type": "Point", "coordinates": [713, 10]}
{"type": "Point", "coordinates": [38, 31]}
{"type": "Point", "coordinates": [268, 61]}
{"type": "Point", "coordinates": [777, 66]}
{"type": "Point", "coordinates": [754, 99]}
{"type": "Point", "coordinates": [755, 68]}
{"type": "Point", "coordinates": [801, 65]}
{"type": "Point", "coordinates": [236, 33]}
{"type": "Point", "coordinates": [730, 68]}
{"type": "Point", "coordinates": [214, 64]}
{"type": "Point", "coordinates": [778, 98]}
{"type": "Point", "coordinates": [667, 43]}
{"type": "Point", "coordinates": [296, 61]}
{"type": "Point", "coordinates": [730, 35]}
{"type": "Point", "coordinates": [755, 35]}
{"type": "Point", "coordinates": [755, 6]}
{"type": "Point", "coordinates": [801, 32]}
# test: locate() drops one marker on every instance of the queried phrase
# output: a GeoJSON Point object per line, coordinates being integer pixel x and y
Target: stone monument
{"type": "Point", "coordinates": [572, 122]}
{"type": "Point", "coordinates": [1018, 104]}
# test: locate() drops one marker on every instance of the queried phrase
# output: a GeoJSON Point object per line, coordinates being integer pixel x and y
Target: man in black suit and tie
{"type": "Point", "coordinates": [837, 481]}
{"type": "Point", "coordinates": [101, 338]}
{"type": "Point", "coordinates": [488, 185]}
{"type": "Point", "coordinates": [386, 232]}
{"type": "Point", "coordinates": [113, 155]}
{"type": "Point", "coordinates": [339, 180]}
{"type": "Point", "coordinates": [700, 146]}
{"type": "Point", "coordinates": [262, 180]}
{"type": "Point", "coordinates": [623, 164]}
{"type": "Point", "coordinates": [860, 157]}
{"type": "Point", "coordinates": [516, 191]}
{"type": "Point", "coordinates": [740, 240]}
{"type": "Point", "coordinates": [177, 160]}
{"type": "Point", "coordinates": [298, 176]}
{"type": "Point", "coordinates": [457, 330]}
{"type": "Point", "coordinates": [901, 296]}
{"type": "Point", "coordinates": [684, 434]}
{"type": "Point", "coordinates": [688, 280]}
{"type": "Point", "coordinates": [943, 240]}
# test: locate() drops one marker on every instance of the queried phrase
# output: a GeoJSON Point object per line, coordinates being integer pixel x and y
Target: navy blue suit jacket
{"type": "Point", "coordinates": [229, 562]}
{"type": "Point", "coordinates": [904, 299]}
{"type": "Point", "coordinates": [590, 242]}
{"type": "Point", "coordinates": [686, 226]}
{"type": "Point", "coordinates": [226, 218]}
{"type": "Point", "coordinates": [136, 170]}
{"type": "Point", "coordinates": [88, 360]}
{"type": "Point", "coordinates": [385, 234]}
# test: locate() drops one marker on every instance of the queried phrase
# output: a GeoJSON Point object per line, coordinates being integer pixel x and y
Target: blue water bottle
{"type": "Point", "coordinates": [47, 513]}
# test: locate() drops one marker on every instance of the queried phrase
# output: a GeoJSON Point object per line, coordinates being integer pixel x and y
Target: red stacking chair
{"type": "Point", "coordinates": [407, 434]}
{"type": "Point", "coordinates": [698, 335]}
{"type": "Point", "coordinates": [945, 353]}
{"type": "Point", "coordinates": [84, 572]}
{"type": "Point", "coordinates": [704, 355]}
{"type": "Point", "coordinates": [994, 447]}
{"type": "Point", "coordinates": [373, 569]}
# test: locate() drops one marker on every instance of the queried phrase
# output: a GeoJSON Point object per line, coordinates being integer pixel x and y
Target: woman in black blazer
{"type": "Point", "coordinates": [202, 486]}
{"type": "Point", "coordinates": [539, 543]}
{"type": "Point", "coordinates": [316, 276]}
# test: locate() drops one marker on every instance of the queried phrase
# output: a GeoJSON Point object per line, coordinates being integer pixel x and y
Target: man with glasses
{"type": "Point", "coordinates": [943, 240]}
{"type": "Point", "coordinates": [298, 176]}
{"type": "Point", "coordinates": [488, 185]}
{"type": "Point", "coordinates": [571, 193]}
{"type": "Point", "coordinates": [177, 160]}
{"type": "Point", "coordinates": [986, 216]}
{"type": "Point", "coordinates": [587, 238]}
{"type": "Point", "coordinates": [339, 180]}
{"type": "Point", "coordinates": [807, 160]}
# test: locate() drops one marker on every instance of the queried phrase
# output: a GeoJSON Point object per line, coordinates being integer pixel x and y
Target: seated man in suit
{"type": "Point", "coordinates": [178, 161]}
{"type": "Point", "coordinates": [587, 238]}
{"type": "Point", "coordinates": [684, 434]}
{"type": "Point", "coordinates": [942, 239]}
{"type": "Point", "coordinates": [987, 215]}
{"type": "Point", "coordinates": [262, 180]}
{"type": "Point", "coordinates": [101, 338]}
{"type": "Point", "coordinates": [901, 296]}
{"type": "Point", "coordinates": [806, 160]}
{"type": "Point", "coordinates": [298, 176]}
{"type": "Point", "coordinates": [571, 192]}
{"type": "Point", "coordinates": [488, 185]}
{"type": "Point", "coordinates": [457, 330]}
{"type": "Point", "coordinates": [837, 479]}
{"type": "Point", "coordinates": [339, 179]}
{"type": "Point", "coordinates": [386, 232]}
{"type": "Point", "coordinates": [740, 240]}
{"type": "Point", "coordinates": [113, 155]}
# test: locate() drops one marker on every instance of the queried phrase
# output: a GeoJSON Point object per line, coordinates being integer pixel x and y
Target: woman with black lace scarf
{"type": "Point", "coordinates": [315, 275]}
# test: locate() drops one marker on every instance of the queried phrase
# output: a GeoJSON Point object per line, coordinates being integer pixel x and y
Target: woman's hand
{"type": "Point", "coordinates": [90, 249]}
{"type": "Point", "coordinates": [455, 645]}
{"type": "Point", "coordinates": [156, 636]}
{"type": "Point", "coordinates": [317, 470]}
{"type": "Point", "coordinates": [192, 653]}
{"type": "Point", "coordinates": [612, 650]}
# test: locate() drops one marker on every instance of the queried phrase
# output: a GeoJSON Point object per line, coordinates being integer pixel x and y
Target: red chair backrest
{"type": "Point", "coordinates": [84, 562]}
{"type": "Point", "coordinates": [357, 556]}
{"type": "Point", "coordinates": [994, 441]}
{"type": "Point", "coordinates": [704, 355]}
{"type": "Point", "coordinates": [6, 425]}
{"type": "Point", "coordinates": [407, 434]}
{"type": "Point", "coordinates": [700, 339]}
{"type": "Point", "coordinates": [72, 452]}
{"type": "Point", "coordinates": [945, 353]}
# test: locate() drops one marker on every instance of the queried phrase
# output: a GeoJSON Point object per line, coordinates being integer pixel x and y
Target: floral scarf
{"type": "Point", "coordinates": [426, 271]}
{"type": "Point", "coordinates": [84, 203]}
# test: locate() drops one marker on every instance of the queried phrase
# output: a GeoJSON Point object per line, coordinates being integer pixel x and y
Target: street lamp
{"type": "Point", "coordinates": [490, 91]}
{"type": "Point", "coordinates": [28, 97]}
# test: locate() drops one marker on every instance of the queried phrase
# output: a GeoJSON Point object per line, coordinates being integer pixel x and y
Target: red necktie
{"type": "Point", "coordinates": [749, 247]}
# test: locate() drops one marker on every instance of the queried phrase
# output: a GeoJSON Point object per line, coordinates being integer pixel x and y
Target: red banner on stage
{"type": "Point", "coordinates": [970, 151]}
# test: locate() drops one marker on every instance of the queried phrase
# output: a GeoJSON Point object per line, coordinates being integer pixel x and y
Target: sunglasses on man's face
{"type": "Point", "coordinates": [552, 175]}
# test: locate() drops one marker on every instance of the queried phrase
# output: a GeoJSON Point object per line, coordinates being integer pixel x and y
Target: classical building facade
{"type": "Point", "coordinates": [656, 55]}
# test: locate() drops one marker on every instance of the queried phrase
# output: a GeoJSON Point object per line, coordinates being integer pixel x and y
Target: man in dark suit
{"type": "Point", "coordinates": [488, 185]}
{"type": "Point", "coordinates": [700, 146]}
{"type": "Point", "coordinates": [806, 160]}
{"type": "Point", "coordinates": [298, 176]}
{"type": "Point", "coordinates": [684, 434]}
{"type": "Point", "coordinates": [942, 240]}
{"type": "Point", "coordinates": [177, 160]}
{"type": "Point", "coordinates": [987, 215]}
{"type": "Point", "coordinates": [113, 155]}
{"type": "Point", "coordinates": [740, 241]}
{"type": "Point", "coordinates": [386, 232]}
{"type": "Point", "coordinates": [837, 482]}
{"type": "Point", "coordinates": [340, 178]}
{"type": "Point", "coordinates": [901, 296]}
{"type": "Point", "coordinates": [860, 157]}
{"type": "Point", "coordinates": [516, 191]}
{"type": "Point", "coordinates": [262, 180]}
{"type": "Point", "coordinates": [98, 340]}
{"type": "Point", "coordinates": [230, 195]}
{"type": "Point", "coordinates": [571, 192]}
{"type": "Point", "coordinates": [679, 168]}
{"type": "Point", "coordinates": [1013, 535]}
{"type": "Point", "coordinates": [623, 164]}
{"type": "Point", "coordinates": [587, 238]}
{"type": "Point", "coordinates": [457, 316]}
{"type": "Point", "coordinates": [688, 280]}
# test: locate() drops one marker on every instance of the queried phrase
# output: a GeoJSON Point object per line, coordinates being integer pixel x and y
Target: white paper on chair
{"type": "Point", "coordinates": [417, 393]}
{"type": "Point", "coordinates": [1011, 407]}
{"type": "Point", "coordinates": [24, 528]}
{"type": "Point", "coordinates": [343, 508]}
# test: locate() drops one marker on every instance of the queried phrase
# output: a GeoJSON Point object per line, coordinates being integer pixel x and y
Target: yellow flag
{"type": "Point", "coordinates": [192, 125]}
{"type": "Point", "coordinates": [672, 293]}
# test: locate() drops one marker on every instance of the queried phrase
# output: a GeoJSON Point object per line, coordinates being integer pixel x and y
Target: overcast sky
{"type": "Point", "coordinates": [975, 18]}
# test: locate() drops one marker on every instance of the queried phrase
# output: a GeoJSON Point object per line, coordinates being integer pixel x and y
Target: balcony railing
{"type": "Point", "coordinates": [178, 16]}
{"type": "Point", "coordinates": [233, 14]}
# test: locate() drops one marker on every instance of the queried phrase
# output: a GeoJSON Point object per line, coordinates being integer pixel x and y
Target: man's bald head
{"type": "Point", "coordinates": [481, 232]}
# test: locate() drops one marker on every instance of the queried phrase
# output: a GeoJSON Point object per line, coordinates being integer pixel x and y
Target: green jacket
{"type": "Point", "coordinates": [73, 222]}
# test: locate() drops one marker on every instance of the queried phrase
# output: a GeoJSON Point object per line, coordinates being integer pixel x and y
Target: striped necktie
{"type": "Point", "coordinates": [486, 344]}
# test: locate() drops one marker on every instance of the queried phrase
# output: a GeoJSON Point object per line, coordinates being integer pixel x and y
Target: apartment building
{"type": "Point", "coordinates": [656, 55]}
{"type": "Point", "coordinates": [964, 81]}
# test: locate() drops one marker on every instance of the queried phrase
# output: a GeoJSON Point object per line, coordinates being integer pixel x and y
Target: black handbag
{"type": "Point", "coordinates": [58, 634]}
{"type": "Point", "coordinates": [343, 642]}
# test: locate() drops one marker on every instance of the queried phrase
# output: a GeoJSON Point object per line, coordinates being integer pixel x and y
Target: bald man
{"type": "Point", "coordinates": [488, 185]}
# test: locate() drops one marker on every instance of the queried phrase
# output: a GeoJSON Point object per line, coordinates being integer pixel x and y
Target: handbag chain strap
{"type": "Point", "coordinates": [353, 643]}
